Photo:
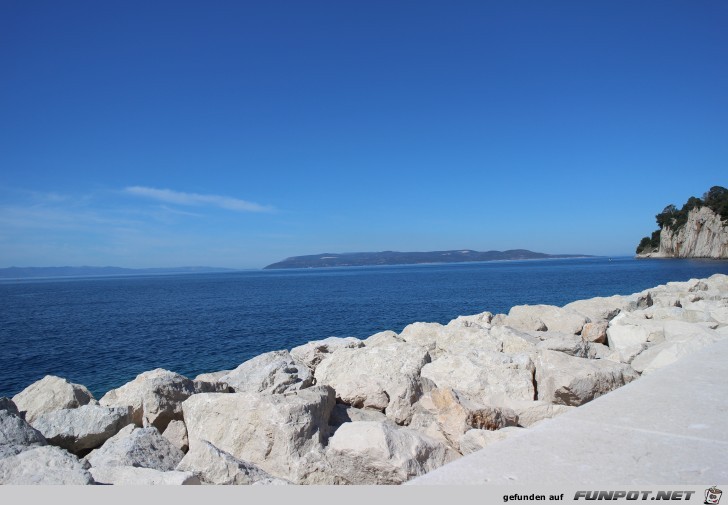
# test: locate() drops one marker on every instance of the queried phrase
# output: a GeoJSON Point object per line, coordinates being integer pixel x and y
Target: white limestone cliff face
{"type": "Point", "coordinates": [703, 236]}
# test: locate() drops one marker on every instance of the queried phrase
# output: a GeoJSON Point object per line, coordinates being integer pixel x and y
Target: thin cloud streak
{"type": "Point", "coordinates": [180, 198]}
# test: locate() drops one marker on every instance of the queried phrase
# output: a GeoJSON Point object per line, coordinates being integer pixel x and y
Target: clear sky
{"type": "Point", "coordinates": [235, 134]}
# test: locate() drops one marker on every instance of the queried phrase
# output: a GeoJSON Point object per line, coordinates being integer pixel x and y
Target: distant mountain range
{"type": "Point", "coordinates": [48, 272]}
{"type": "Point", "coordinates": [410, 258]}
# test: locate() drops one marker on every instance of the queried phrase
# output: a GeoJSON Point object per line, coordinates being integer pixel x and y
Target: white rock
{"type": "Point", "coordinates": [455, 414]}
{"type": "Point", "coordinates": [46, 465]}
{"type": "Point", "coordinates": [628, 335]}
{"type": "Point", "coordinates": [211, 387]}
{"type": "Point", "coordinates": [545, 317]}
{"type": "Point", "coordinates": [214, 466]}
{"type": "Point", "coordinates": [422, 334]}
{"type": "Point", "coordinates": [474, 440]}
{"type": "Point", "coordinates": [312, 353]}
{"type": "Point", "coordinates": [16, 435]}
{"type": "Point", "coordinates": [424, 421]}
{"type": "Point", "coordinates": [484, 374]}
{"type": "Point", "coordinates": [141, 447]}
{"type": "Point", "coordinates": [601, 351]}
{"type": "Point", "coordinates": [210, 382]}
{"type": "Point", "coordinates": [176, 433]}
{"type": "Point", "coordinates": [682, 339]}
{"type": "Point", "coordinates": [49, 394]}
{"type": "Point", "coordinates": [155, 397]}
{"type": "Point", "coordinates": [718, 282]}
{"type": "Point", "coordinates": [716, 311]}
{"type": "Point", "coordinates": [566, 380]}
{"type": "Point", "coordinates": [573, 345]}
{"type": "Point", "coordinates": [82, 428]}
{"type": "Point", "coordinates": [514, 341]}
{"type": "Point", "coordinates": [272, 372]}
{"type": "Point", "coordinates": [481, 320]}
{"type": "Point", "coordinates": [606, 308]}
{"type": "Point", "coordinates": [135, 476]}
{"type": "Point", "coordinates": [595, 332]}
{"type": "Point", "coordinates": [384, 377]}
{"type": "Point", "coordinates": [680, 330]}
{"type": "Point", "coordinates": [461, 339]}
{"type": "Point", "coordinates": [380, 453]}
{"type": "Point", "coordinates": [274, 432]}
{"type": "Point", "coordinates": [383, 338]}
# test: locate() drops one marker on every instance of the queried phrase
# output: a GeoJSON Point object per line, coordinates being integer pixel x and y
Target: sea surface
{"type": "Point", "coordinates": [102, 332]}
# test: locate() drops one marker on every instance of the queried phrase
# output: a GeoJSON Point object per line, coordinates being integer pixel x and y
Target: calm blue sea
{"type": "Point", "coordinates": [102, 332]}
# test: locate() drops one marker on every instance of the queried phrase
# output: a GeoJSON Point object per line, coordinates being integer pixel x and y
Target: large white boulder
{"type": "Point", "coordinates": [214, 466]}
{"type": "Point", "coordinates": [16, 435]}
{"type": "Point", "coordinates": [629, 335]}
{"type": "Point", "coordinates": [45, 465]}
{"type": "Point", "coordinates": [82, 428]}
{"type": "Point", "coordinates": [48, 394]}
{"type": "Point", "coordinates": [272, 431]}
{"type": "Point", "coordinates": [383, 338]}
{"type": "Point", "coordinates": [481, 320]}
{"type": "Point", "coordinates": [545, 317]}
{"type": "Point", "coordinates": [606, 308]}
{"type": "Point", "coordinates": [141, 447]}
{"type": "Point", "coordinates": [681, 339]}
{"type": "Point", "coordinates": [454, 415]}
{"type": "Point", "coordinates": [381, 453]}
{"type": "Point", "coordinates": [136, 476]}
{"type": "Point", "coordinates": [463, 339]}
{"type": "Point", "coordinates": [483, 374]}
{"type": "Point", "coordinates": [384, 377]}
{"type": "Point", "coordinates": [272, 372]}
{"type": "Point", "coordinates": [513, 340]}
{"type": "Point", "coordinates": [422, 334]}
{"type": "Point", "coordinates": [681, 330]}
{"type": "Point", "coordinates": [707, 311]}
{"type": "Point", "coordinates": [312, 353]}
{"type": "Point", "coordinates": [210, 382]}
{"type": "Point", "coordinates": [566, 380]}
{"type": "Point", "coordinates": [155, 397]}
{"type": "Point", "coordinates": [573, 345]}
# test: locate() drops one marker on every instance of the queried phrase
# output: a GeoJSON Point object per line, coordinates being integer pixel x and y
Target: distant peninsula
{"type": "Point", "coordinates": [52, 272]}
{"type": "Point", "coordinates": [361, 259]}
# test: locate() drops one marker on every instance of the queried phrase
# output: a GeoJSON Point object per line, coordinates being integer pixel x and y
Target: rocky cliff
{"type": "Point", "coordinates": [697, 230]}
{"type": "Point", "coordinates": [704, 235]}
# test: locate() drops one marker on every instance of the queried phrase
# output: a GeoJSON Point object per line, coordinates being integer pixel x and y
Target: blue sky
{"type": "Point", "coordinates": [234, 134]}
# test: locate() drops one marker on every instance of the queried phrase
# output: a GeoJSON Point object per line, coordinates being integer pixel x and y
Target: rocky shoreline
{"type": "Point", "coordinates": [346, 411]}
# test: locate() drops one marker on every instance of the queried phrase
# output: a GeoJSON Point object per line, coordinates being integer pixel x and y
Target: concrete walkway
{"type": "Point", "coordinates": [668, 427]}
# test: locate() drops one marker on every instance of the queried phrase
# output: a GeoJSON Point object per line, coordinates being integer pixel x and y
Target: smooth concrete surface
{"type": "Point", "coordinates": [667, 427]}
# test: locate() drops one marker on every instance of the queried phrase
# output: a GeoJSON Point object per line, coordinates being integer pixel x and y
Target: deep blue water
{"type": "Point", "coordinates": [102, 332]}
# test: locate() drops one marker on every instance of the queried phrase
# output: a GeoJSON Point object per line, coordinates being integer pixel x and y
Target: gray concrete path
{"type": "Point", "coordinates": [668, 427]}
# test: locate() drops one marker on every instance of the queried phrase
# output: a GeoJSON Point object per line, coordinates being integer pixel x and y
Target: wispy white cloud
{"type": "Point", "coordinates": [180, 198]}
